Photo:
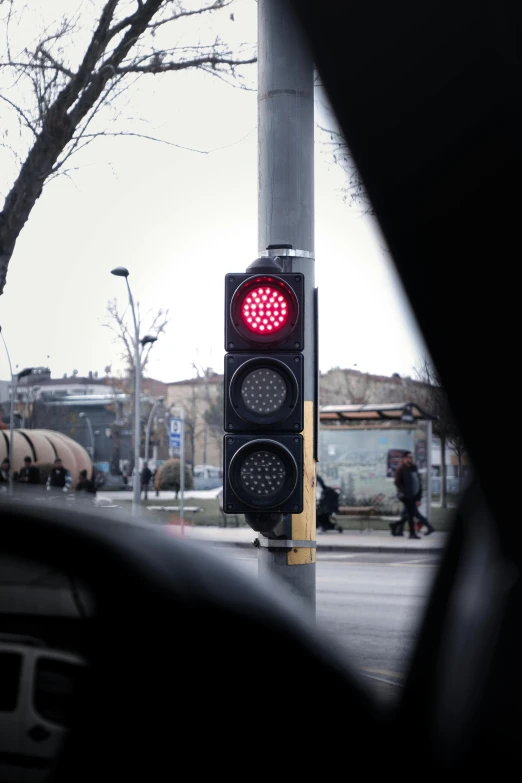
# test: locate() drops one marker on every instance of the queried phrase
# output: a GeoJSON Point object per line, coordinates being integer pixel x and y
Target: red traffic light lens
{"type": "Point", "coordinates": [265, 308]}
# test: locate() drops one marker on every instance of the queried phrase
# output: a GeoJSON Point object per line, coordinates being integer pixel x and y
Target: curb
{"type": "Point", "coordinates": [339, 548]}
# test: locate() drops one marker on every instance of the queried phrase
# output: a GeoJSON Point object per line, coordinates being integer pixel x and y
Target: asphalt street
{"type": "Point", "coordinates": [370, 604]}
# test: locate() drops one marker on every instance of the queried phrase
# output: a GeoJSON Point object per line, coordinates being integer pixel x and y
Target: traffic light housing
{"type": "Point", "coordinates": [264, 474]}
{"type": "Point", "coordinates": [264, 311]}
{"type": "Point", "coordinates": [263, 406]}
{"type": "Point", "coordinates": [264, 392]}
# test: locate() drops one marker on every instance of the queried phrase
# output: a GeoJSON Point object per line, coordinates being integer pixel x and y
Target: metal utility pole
{"type": "Point", "coordinates": [136, 484]}
{"type": "Point", "coordinates": [121, 271]}
{"type": "Point", "coordinates": [182, 471]}
{"type": "Point", "coordinates": [429, 446]}
{"type": "Point", "coordinates": [83, 415]}
{"type": "Point", "coordinates": [157, 402]}
{"type": "Point", "coordinates": [177, 441]}
{"type": "Point", "coordinates": [286, 229]}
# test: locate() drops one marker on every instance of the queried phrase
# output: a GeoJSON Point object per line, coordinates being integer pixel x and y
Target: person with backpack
{"type": "Point", "coordinates": [327, 507]}
{"type": "Point", "coordinates": [409, 491]}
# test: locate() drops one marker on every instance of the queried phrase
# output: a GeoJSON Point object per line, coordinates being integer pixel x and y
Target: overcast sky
{"type": "Point", "coordinates": [180, 221]}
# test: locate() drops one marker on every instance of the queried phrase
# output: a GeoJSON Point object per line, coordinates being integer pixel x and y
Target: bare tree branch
{"type": "Point", "coordinates": [147, 137]}
{"type": "Point", "coordinates": [217, 5]}
{"type": "Point", "coordinates": [354, 192]}
{"type": "Point", "coordinates": [137, 135]}
{"type": "Point", "coordinates": [55, 64]}
{"type": "Point", "coordinates": [116, 321]}
{"type": "Point", "coordinates": [75, 145]}
{"type": "Point", "coordinates": [67, 97]}
{"type": "Point", "coordinates": [198, 62]}
{"type": "Point", "coordinates": [28, 65]}
{"type": "Point", "coordinates": [21, 113]}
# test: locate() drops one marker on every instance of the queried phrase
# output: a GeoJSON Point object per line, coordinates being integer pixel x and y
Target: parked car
{"type": "Point", "coordinates": [36, 688]}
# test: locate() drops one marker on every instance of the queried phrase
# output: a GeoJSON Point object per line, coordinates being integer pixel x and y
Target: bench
{"type": "Point", "coordinates": [356, 511]}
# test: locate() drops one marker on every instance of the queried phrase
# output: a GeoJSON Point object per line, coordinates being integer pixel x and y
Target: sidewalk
{"type": "Point", "coordinates": [127, 494]}
{"type": "Point", "coordinates": [349, 541]}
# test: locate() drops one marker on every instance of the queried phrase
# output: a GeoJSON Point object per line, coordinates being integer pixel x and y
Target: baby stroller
{"type": "Point", "coordinates": [327, 507]}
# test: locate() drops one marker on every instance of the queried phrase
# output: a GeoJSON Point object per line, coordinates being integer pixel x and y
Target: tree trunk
{"type": "Point", "coordinates": [443, 493]}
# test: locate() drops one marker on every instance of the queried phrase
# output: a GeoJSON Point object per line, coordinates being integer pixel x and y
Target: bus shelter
{"type": "Point", "coordinates": [361, 446]}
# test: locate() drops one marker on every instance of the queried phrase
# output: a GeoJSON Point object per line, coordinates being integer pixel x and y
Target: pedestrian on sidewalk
{"type": "Point", "coordinates": [146, 475]}
{"type": "Point", "coordinates": [397, 528]}
{"type": "Point", "coordinates": [409, 489]}
{"type": "Point", "coordinates": [327, 507]}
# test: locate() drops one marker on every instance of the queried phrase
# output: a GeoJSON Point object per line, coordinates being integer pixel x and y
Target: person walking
{"type": "Point", "coordinates": [397, 527]}
{"type": "Point", "coordinates": [409, 489]}
{"type": "Point", "coordinates": [146, 475]}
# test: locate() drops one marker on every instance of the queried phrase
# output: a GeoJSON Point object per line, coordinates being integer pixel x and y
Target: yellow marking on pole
{"type": "Point", "coordinates": [303, 525]}
{"type": "Point", "coordinates": [302, 556]}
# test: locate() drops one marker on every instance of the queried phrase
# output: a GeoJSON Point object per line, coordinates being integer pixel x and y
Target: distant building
{"type": "Point", "coordinates": [198, 396]}
{"type": "Point", "coordinates": [56, 403]}
{"type": "Point", "coordinates": [336, 386]}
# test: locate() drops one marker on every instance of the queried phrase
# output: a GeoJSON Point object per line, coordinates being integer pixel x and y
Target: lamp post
{"type": "Point", "coordinates": [121, 271]}
{"type": "Point", "coordinates": [91, 433]}
{"type": "Point", "coordinates": [14, 385]}
{"type": "Point", "coordinates": [149, 424]}
{"type": "Point", "coordinates": [31, 401]}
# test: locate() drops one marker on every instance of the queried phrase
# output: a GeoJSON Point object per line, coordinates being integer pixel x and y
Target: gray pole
{"type": "Point", "coordinates": [149, 424]}
{"type": "Point", "coordinates": [286, 224]}
{"type": "Point", "coordinates": [14, 386]}
{"type": "Point", "coordinates": [429, 446]}
{"type": "Point", "coordinates": [182, 470]}
{"type": "Point", "coordinates": [136, 487]}
{"type": "Point", "coordinates": [11, 419]}
{"type": "Point", "coordinates": [91, 433]}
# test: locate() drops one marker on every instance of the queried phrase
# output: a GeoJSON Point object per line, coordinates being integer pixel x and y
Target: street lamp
{"type": "Point", "coordinates": [83, 415]}
{"type": "Point", "coordinates": [407, 415]}
{"type": "Point", "coordinates": [121, 271]}
{"type": "Point", "coordinates": [31, 401]}
{"type": "Point", "coordinates": [149, 423]}
{"type": "Point", "coordinates": [14, 385]}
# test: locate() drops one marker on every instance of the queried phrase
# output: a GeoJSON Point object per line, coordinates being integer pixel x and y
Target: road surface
{"type": "Point", "coordinates": [369, 604]}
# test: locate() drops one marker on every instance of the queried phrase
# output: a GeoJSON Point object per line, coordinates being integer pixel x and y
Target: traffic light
{"type": "Point", "coordinates": [263, 410]}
